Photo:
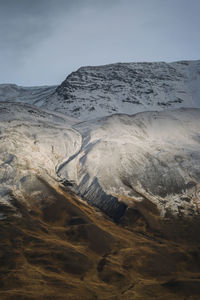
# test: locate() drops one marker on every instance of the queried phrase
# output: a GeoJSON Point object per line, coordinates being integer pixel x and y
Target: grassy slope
{"type": "Point", "coordinates": [64, 249]}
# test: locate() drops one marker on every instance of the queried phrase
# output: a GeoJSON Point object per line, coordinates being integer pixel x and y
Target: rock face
{"type": "Point", "coordinates": [128, 88]}
{"type": "Point", "coordinates": [148, 162]}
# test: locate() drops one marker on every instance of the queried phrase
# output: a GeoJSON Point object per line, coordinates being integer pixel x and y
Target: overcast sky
{"type": "Point", "coordinates": [42, 41]}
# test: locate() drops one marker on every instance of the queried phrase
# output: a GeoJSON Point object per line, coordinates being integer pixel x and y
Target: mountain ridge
{"type": "Point", "coordinates": [96, 91]}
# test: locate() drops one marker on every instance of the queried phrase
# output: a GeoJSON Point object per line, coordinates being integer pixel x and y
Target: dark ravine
{"type": "Point", "coordinates": [108, 204]}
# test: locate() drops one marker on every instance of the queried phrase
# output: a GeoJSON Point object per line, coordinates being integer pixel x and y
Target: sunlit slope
{"type": "Point", "coordinates": [149, 161]}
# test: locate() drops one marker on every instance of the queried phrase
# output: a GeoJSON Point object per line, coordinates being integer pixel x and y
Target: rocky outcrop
{"type": "Point", "coordinates": [127, 88]}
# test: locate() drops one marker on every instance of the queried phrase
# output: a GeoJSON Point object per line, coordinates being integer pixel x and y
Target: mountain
{"type": "Point", "coordinates": [128, 88]}
{"type": "Point", "coordinates": [96, 205]}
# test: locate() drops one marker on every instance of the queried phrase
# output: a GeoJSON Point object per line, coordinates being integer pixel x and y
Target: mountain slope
{"type": "Point", "coordinates": [29, 95]}
{"type": "Point", "coordinates": [148, 162]}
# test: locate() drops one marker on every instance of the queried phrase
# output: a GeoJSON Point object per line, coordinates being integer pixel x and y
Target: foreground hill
{"type": "Point", "coordinates": [128, 88]}
{"type": "Point", "coordinates": [57, 247]}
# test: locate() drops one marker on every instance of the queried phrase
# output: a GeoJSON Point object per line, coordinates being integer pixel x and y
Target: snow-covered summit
{"type": "Point", "coordinates": [129, 88]}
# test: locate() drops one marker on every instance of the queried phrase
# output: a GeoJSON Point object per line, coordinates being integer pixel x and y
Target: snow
{"type": "Point", "coordinates": [33, 143]}
{"type": "Point", "coordinates": [150, 155]}
{"type": "Point", "coordinates": [29, 95]}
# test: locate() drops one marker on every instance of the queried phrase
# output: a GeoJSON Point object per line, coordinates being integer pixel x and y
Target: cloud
{"type": "Point", "coordinates": [44, 40]}
{"type": "Point", "coordinates": [23, 23]}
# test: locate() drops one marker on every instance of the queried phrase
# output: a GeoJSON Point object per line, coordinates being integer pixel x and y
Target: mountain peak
{"type": "Point", "coordinates": [97, 91]}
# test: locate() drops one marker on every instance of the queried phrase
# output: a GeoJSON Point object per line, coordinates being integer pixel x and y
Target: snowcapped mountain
{"type": "Point", "coordinates": [147, 161]}
{"type": "Point", "coordinates": [72, 155]}
{"type": "Point", "coordinates": [128, 88]}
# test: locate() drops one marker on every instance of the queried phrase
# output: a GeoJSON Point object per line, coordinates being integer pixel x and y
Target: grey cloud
{"type": "Point", "coordinates": [24, 23]}
{"type": "Point", "coordinates": [41, 41]}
